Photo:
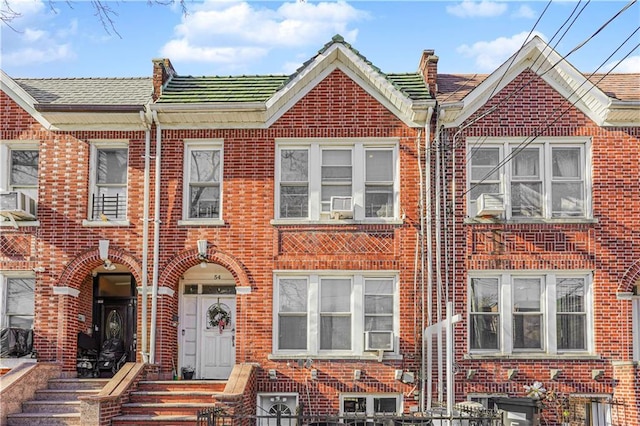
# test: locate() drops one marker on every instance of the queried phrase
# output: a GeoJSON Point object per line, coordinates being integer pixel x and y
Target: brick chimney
{"type": "Point", "coordinates": [162, 72]}
{"type": "Point", "coordinates": [429, 69]}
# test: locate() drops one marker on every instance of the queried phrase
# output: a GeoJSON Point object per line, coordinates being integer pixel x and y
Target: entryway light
{"type": "Point", "coordinates": [272, 373]}
{"type": "Point", "coordinates": [202, 250]}
{"type": "Point", "coordinates": [103, 248]}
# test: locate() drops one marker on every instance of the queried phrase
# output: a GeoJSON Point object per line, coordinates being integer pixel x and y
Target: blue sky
{"type": "Point", "coordinates": [273, 37]}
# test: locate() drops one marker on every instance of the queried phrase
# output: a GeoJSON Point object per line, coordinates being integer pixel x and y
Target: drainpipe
{"type": "Point", "coordinates": [426, 209]}
{"type": "Point", "coordinates": [156, 243]}
{"type": "Point", "coordinates": [145, 234]}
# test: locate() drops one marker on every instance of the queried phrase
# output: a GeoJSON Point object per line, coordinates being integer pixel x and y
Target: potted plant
{"type": "Point", "coordinates": [187, 372]}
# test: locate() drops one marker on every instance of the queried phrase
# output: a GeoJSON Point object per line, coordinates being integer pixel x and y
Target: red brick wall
{"type": "Point", "coordinates": [606, 246]}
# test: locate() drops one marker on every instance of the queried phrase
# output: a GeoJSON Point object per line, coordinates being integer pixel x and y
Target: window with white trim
{"type": "Point", "coordinates": [19, 163]}
{"type": "Point", "coordinates": [310, 172]}
{"type": "Point", "coordinates": [329, 313]}
{"type": "Point", "coordinates": [546, 179]}
{"type": "Point", "coordinates": [529, 312]}
{"type": "Point", "coordinates": [110, 166]}
{"type": "Point", "coordinates": [363, 404]}
{"type": "Point", "coordinates": [17, 301]}
{"type": "Point", "coordinates": [203, 180]}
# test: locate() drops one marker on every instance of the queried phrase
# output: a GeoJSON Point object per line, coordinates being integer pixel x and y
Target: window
{"type": "Point", "coordinates": [365, 171]}
{"type": "Point", "coordinates": [361, 405]}
{"type": "Point", "coordinates": [541, 179]}
{"type": "Point", "coordinates": [203, 179]}
{"type": "Point", "coordinates": [19, 165]}
{"type": "Point", "coordinates": [529, 312]}
{"type": "Point", "coordinates": [329, 314]}
{"type": "Point", "coordinates": [18, 302]}
{"type": "Point", "coordinates": [109, 194]}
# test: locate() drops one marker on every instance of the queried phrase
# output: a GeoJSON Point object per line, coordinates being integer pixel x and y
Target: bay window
{"type": "Point", "coordinates": [543, 179]}
{"type": "Point", "coordinates": [525, 312]}
{"type": "Point", "coordinates": [312, 172]}
{"type": "Point", "coordinates": [329, 313]}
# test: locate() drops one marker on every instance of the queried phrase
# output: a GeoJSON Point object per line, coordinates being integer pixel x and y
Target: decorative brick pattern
{"type": "Point", "coordinates": [336, 243]}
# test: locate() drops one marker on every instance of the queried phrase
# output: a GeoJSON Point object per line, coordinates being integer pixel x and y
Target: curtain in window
{"type": "Point", "coordinates": [335, 314]}
{"type": "Point", "coordinates": [571, 314]}
{"type": "Point", "coordinates": [336, 175]}
{"type": "Point", "coordinates": [527, 313]}
{"type": "Point", "coordinates": [378, 305]}
{"type": "Point", "coordinates": [378, 196]}
{"type": "Point", "coordinates": [204, 184]}
{"type": "Point", "coordinates": [485, 315]}
{"type": "Point", "coordinates": [292, 327]}
{"type": "Point", "coordinates": [20, 302]}
{"type": "Point", "coordinates": [568, 186]}
{"type": "Point", "coordinates": [526, 184]}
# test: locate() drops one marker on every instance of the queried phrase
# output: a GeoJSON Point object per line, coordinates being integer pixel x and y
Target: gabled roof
{"type": "Point", "coordinates": [82, 103]}
{"type": "Point", "coordinates": [608, 100]}
{"type": "Point", "coordinates": [258, 101]}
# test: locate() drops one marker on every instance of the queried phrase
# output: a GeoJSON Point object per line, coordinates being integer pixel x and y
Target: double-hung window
{"type": "Point", "coordinates": [203, 180]}
{"type": "Point", "coordinates": [17, 301]}
{"type": "Point", "coordinates": [541, 178]}
{"type": "Point", "coordinates": [331, 314]}
{"type": "Point", "coordinates": [313, 173]}
{"type": "Point", "coordinates": [19, 179]}
{"type": "Point", "coordinates": [110, 164]}
{"type": "Point", "coordinates": [529, 312]}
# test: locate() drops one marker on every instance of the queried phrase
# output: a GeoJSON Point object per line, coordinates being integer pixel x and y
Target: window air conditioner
{"type": "Point", "coordinates": [490, 204]}
{"type": "Point", "coordinates": [378, 340]}
{"type": "Point", "coordinates": [341, 208]}
{"type": "Point", "coordinates": [18, 205]}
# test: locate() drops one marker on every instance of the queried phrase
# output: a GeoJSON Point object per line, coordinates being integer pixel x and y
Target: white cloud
{"type": "Point", "coordinates": [475, 9]}
{"type": "Point", "coordinates": [218, 28]}
{"type": "Point", "coordinates": [489, 55]}
{"type": "Point", "coordinates": [629, 65]}
{"type": "Point", "coordinates": [34, 56]}
{"type": "Point", "coordinates": [524, 12]}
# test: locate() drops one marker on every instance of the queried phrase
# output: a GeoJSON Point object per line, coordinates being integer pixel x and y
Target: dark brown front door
{"type": "Point", "coordinates": [115, 310]}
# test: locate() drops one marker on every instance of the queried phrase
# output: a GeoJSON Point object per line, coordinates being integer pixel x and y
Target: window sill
{"type": "Point", "coordinates": [202, 222]}
{"type": "Point", "coordinates": [20, 224]}
{"type": "Point", "coordinates": [368, 356]}
{"type": "Point", "coordinates": [337, 222]}
{"type": "Point", "coordinates": [554, 221]}
{"type": "Point", "coordinates": [532, 356]}
{"type": "Point", "coordinates": [105, 224]}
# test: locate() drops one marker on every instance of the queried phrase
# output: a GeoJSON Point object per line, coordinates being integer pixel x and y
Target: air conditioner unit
{"type": "Point", "coordinates": [18, 205]}
{"type": "Point", "coordinates": [341, 208]}
{"type": "Point", "coordinates": [378, 340]}
{"type": "Point", "coordinates": [490, 204]}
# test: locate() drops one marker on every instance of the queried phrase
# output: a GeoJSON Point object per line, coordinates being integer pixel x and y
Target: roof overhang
{"type": "Point", "coordinates": [541, 59]}
{"type": "Point", "coordinates": [263, 114]}
{"type": "Point", "coordinates": [93, 117]}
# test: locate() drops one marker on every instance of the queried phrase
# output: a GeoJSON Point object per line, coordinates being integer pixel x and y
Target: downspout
{"type": "Point", "coordinates": [438, 197]}
{"type": "Point", "coordinates": [425, 210]}
{"type": "Point", "coordinates": [156, 243]}
{"type": "Point", "coordinates": [145, 234]}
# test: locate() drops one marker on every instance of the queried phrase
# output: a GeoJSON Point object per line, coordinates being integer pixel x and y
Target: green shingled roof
{"type": "Point", "coordinates": [259, 88]}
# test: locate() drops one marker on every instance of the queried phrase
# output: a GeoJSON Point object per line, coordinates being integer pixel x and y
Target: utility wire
{"type": "Point", "coordinates": [525, 144]}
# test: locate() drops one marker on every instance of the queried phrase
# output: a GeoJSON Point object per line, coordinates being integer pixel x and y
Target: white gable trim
{"type": "Point", "coordinates": [23, 99]}
{"type": "Point", "coordinates": [555, 71]}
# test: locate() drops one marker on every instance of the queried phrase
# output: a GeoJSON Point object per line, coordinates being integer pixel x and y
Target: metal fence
{"type": "Point", "coordinates": [217, 416]}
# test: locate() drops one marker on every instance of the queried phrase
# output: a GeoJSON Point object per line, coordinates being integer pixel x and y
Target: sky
{"type": "Point", "coordinates": [53, 39]}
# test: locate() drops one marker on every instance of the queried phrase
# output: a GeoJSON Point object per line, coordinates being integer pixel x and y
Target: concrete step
{"type": "Point", "coordinates": [51, 407]}
{"type": "Point", "coordinates": [139, 420]}
{"type": "Point", "coordinates": [172, 397]}
{"type": "Point", "coordinates": [95, 384]}
{"type": "Point", "coordinates": [164, 409]}
{"type": "Point", "coordinates": [44, 419]}
{"type": "Point", "coordinates": [62, 394]}
{"type": "Point", "coordinates": [182, 385]}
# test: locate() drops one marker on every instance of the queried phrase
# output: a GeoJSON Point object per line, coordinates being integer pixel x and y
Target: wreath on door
{"type": "Point", "coordinates": [218, 317]}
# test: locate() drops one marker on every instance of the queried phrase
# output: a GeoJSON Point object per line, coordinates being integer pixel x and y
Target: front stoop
{"type": "Point", "coordinates": [168, 402]}
{"type": "Point", "coordinates": [58, 404]}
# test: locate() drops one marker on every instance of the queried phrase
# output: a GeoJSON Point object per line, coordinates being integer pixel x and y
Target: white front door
{"type": "Point", "coordinates": [207, 335]}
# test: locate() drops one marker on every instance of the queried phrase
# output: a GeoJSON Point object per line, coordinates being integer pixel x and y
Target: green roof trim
{"type": "Point", "coordinates": [259, 88]}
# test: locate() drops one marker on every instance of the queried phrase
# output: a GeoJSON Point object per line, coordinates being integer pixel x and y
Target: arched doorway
{"type": "Point", "coordinates": [207, 322]}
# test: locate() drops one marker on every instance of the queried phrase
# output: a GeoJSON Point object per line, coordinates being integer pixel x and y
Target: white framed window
{"type": "Point", "coordinates": [328, 313]}
{"type": "Point", "coordinates": [17, 296]}
{"type": "Point", "coordinates": [203, 171]}
{"type": "Point", "coordinates": [363, 404]}
{"type": "Point", "coordinates": [19, 178]}
{"type": "Point", "coordinates": [545, 179]}
{"type": "Point", "coordinates": [312, 172]}
{"type": "Point", "coordinates": [109, 172]}
{"type": "Point", "coordinates": [529, 312]}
